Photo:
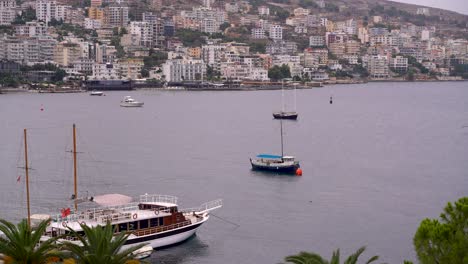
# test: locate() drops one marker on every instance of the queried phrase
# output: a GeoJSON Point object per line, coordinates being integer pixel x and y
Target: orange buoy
{"type": "Point", "coordinates": [299, 172]}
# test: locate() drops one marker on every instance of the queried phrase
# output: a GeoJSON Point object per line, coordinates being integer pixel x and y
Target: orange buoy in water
{"type": "Point", "coordinates": [299, 172]}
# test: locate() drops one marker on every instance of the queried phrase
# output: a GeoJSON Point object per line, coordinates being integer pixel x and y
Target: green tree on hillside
{"type": "Point", "coordinates": [444, 241]}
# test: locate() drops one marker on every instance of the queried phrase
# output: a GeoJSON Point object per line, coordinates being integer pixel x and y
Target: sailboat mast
{"type": "Point", "coordinates": [282, 95]}
{"type": "Point", "coordinates": [27, 177]}
{"type": "Point", "coordinates": [74, 167]}
{"type": "Point", "coordinates": [295, 99]}
{"type": "Point", "coordinates": [281, 122]}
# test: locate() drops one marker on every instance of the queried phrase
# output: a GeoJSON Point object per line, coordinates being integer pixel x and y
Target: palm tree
{"type": "Point", "coordinates": [100, 245]}
{"type": "Point", "coordinates": [313, 258]}
{"type": "Point", "coordinates": [20, 244]}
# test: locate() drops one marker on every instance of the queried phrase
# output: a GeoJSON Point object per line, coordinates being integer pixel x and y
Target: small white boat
{"type": "Point", "coordinates": [143, 252]}
{"type": "Point", "coordinates": [128, 101]}
{"type": "Point", "coordinates": [96, 93]}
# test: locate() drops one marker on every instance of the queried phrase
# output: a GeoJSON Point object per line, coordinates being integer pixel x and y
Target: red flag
{"type": "Point", "coordinates": [18, 179]}
{"type": "Point", "coordinates": [65, 212]}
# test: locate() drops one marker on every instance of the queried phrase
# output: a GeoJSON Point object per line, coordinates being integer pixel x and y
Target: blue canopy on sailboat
{"type": "Point", "coordinates": [268, 156]}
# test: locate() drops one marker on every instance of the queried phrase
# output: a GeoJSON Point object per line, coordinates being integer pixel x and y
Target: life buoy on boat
{"type": "Point", "coordinates": [135, 216]}
{"type": "Point", "coordinates": [64, 224]}
{"type": "Point", "coordinates": [156, 212]}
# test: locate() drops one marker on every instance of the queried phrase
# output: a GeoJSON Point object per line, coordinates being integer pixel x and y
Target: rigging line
{"type": "Point", "coordinates": [227, 221]}
{"type": "Point", "coordinates": [38, 128]}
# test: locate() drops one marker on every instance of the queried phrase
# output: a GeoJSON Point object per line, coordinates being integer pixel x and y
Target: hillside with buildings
{"type": "Point", "coordinates": [162, 42]}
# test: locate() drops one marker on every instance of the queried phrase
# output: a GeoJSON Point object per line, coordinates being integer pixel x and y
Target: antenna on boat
{"type": "Point", "coordinates": [74, 168]}
{"type": "Point", "coordinates": [26, 168]}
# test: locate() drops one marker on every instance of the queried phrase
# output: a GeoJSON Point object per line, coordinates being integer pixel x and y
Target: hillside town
{"type": "Point", "coordinates": [161, 42]}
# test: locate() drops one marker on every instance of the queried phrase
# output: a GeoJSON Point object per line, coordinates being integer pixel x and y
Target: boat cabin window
{"type": "Point", "coordinates": [144, 224]}
{"type": "Point", "coordinates": [154, 222]}
{"type": "Point", "coordinates": [133, 225]}
{"type": "Point", "coordinates": [123, 227]}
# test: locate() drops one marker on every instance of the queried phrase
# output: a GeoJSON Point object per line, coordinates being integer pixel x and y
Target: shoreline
{"type": "Point", "coordinates": [239, 88]}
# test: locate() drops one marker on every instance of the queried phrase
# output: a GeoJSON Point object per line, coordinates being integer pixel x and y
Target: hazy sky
{"type": "Point", "coordinates": [460, 6]}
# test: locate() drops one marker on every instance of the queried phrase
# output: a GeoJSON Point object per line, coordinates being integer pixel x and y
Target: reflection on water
{"type": "Point", "coordinates": [193, 247]}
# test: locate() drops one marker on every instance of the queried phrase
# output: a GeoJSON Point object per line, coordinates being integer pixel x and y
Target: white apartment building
{"type": "Point", "coordinates": [84, 66]}
{"type": "Point", "coordinates": [422, 11]}
{"type": "Point", "coordinates": [301, 11]}
{"type": "Point", "coordinates": [31, 29]}
{"type": "Point", "coordinates": [212, 55]}
{"type": "Point", "coordinates": [378, 66]}
{"type": "Point", "coordinates": [209, 25]}
{"type": "Point", "coordinates": [46, 10]}
{"type": "Point", "coordinates": [27, 50]}
{"type": "Point", "coordinates": [144, 31]}
{"type": "Point", "coordinates": [316, 41]}
{"type": "Point", "coordinates": [264, 10]}
{"type": "Point", "coordinates": [258, 33]}
{"type": "Point", "coordinates": [106, 71]}
{"type": "Point", "coordinates": [184, 70]}
{"type": "Point", "coordinates": [7, 11]}
{"type": "Point", "coordinates": [92, 23]}
{"type": "Point", "coordinates": [66, 53]}
{"type": "Point", "coordinates": [399, 64]}
{"type": "Point", "coordinates": [231, 7]}
{"type": "Point", "coordinates": [276, 32]}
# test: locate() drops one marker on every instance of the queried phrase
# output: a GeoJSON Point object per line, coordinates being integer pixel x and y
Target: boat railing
{"type": "Point", "coordinates": [204, 208]}
{"type": "Point", "coordinates": [158, 229]}
{"type": "Point", "coordinates": [158, 198]}
{"type": "Point", "coordinates": [95, 213]}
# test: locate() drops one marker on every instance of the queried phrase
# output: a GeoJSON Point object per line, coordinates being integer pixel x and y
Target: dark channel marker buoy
{"type": "Point", "coordinates": [331, 100]}
{"type": "Point", "coordinates": [299, 172]}
{"type": "Point", "coordinates": [42, 108]}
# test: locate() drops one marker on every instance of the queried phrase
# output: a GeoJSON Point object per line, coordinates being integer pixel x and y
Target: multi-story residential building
{"type": "Point", "coordinates": [335, 37]}
{"type": "Point", "coordinates": [377, 31]}
{"type": "Point", "coordinates": [116, 15]}
{"type": "Point", "coordinates": [316, 41]}
{"type": "Point", "coordinates": [95, 13]}
{"type": "Point", "coordinates": [377, 66]}
{"type": "Point", "coordinates": [425, 34]}
{"type": "Point", "coordinates": [300, 29]}
{"type": "Point", "coordinates": [352, 47]}
{"type": "Point", "coordinates": [422, 11]}
{"type": "Point", "coordinates": [212, 55]}
{"type": "Point", "coordinates": [281, 47]}
{"type": "Point", "coordinates": [301, 11]}
{"type": "Point", "coordinates": [66, 53]}
{"type": "Point", "coordinates": [105, 53]}
{"type": "Point", "coordinates": [27, 50]}
{"type": "Point", "coordinates": [7, 11]}
{"type": "Point", "coordinates": [144, 32]}
{"type": "Point", "coordinates": [46, 10]}
{"type": "Point", "coordinates": [179, 70]}
{"type": "Point", "coordinates": [31, 29]}
{"type": "Point", "coordinates": [315, 57]}
{"type": "Point", "coordinates": [96, 3]}
{"type": "Point", "coordinates": [194, 52]}
{"type": "Point", "coordinates": [130, 69]}
{"type": "Point", "coordinates": [106, 71]}
{"type": "Point", "coordinates": [338, 49]}
{"type": "Point", "coordinates": [84, 66]}
{"type": "Point", "coordinates": [276, 32]}
{"type": "Point", "coordinates": [352, 59]}
{"type": "Point", "coordinates": [258, 33]}
{"type": "Point", "coordinates": [399, 64]}
{"type": "Point", "coordinates": [263, 10]}
{"type": "Point", "coordinates": [92, 23]}
{"type": "Point", "coordinates": [209, 25]}
{"type": "Point", "coordinates": [231, 7]}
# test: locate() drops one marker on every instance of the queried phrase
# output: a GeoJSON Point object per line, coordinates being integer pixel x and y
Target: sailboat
{"type": "Point", "coordinates": [269, 162]}
{"type": "Point", "coordinates": [154, 219]}
{"type": "Point", "coordinates": [286, 114]}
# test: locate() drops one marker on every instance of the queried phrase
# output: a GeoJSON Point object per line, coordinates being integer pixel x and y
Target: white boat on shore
{"type": "Point", "coordinates": [128, 101]}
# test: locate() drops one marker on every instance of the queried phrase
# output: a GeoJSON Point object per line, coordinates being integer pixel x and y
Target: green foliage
{"type": "Point", "coordinates": [22, 245]}
{"type": "Point", "coordinates": [9, 30]}
{"type": "Point", "coordinates": [279, 12]}
{"type": "Point", "coordinates": [314, 258]}
{"type": "Point", "coordinates": [154, 59]}
{"type": "Point", "coordinates": [444, 241]}
{"type": "Point", "coordinates": [191, 38]}
{"type": "Point", "coordinates": [100, 245]}
{"type": "Point", "coordinates": [331, 7]}
{"type": "Point", "coordinates": [58, 75]}
{"type": "Point", "coordinates": [9, 80]}
{"type": "Point", "coordinates": [26, 16]}
{"type": "Point", "coordinates": [257, 46]}
{"type": "Point", "coordinates": [224, 25]}
{"type": "Point", "coordinates": [308, 4]}
{"type": "Point", "coordinates": [64, 28]}
{"type": "Point", "coordinates": [279, 72]}
{"type": "Point", "coordinates": [361, 70]}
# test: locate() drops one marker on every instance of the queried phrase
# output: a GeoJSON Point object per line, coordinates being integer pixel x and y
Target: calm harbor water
{"type": "Point", "coordinates": [376, 162]}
